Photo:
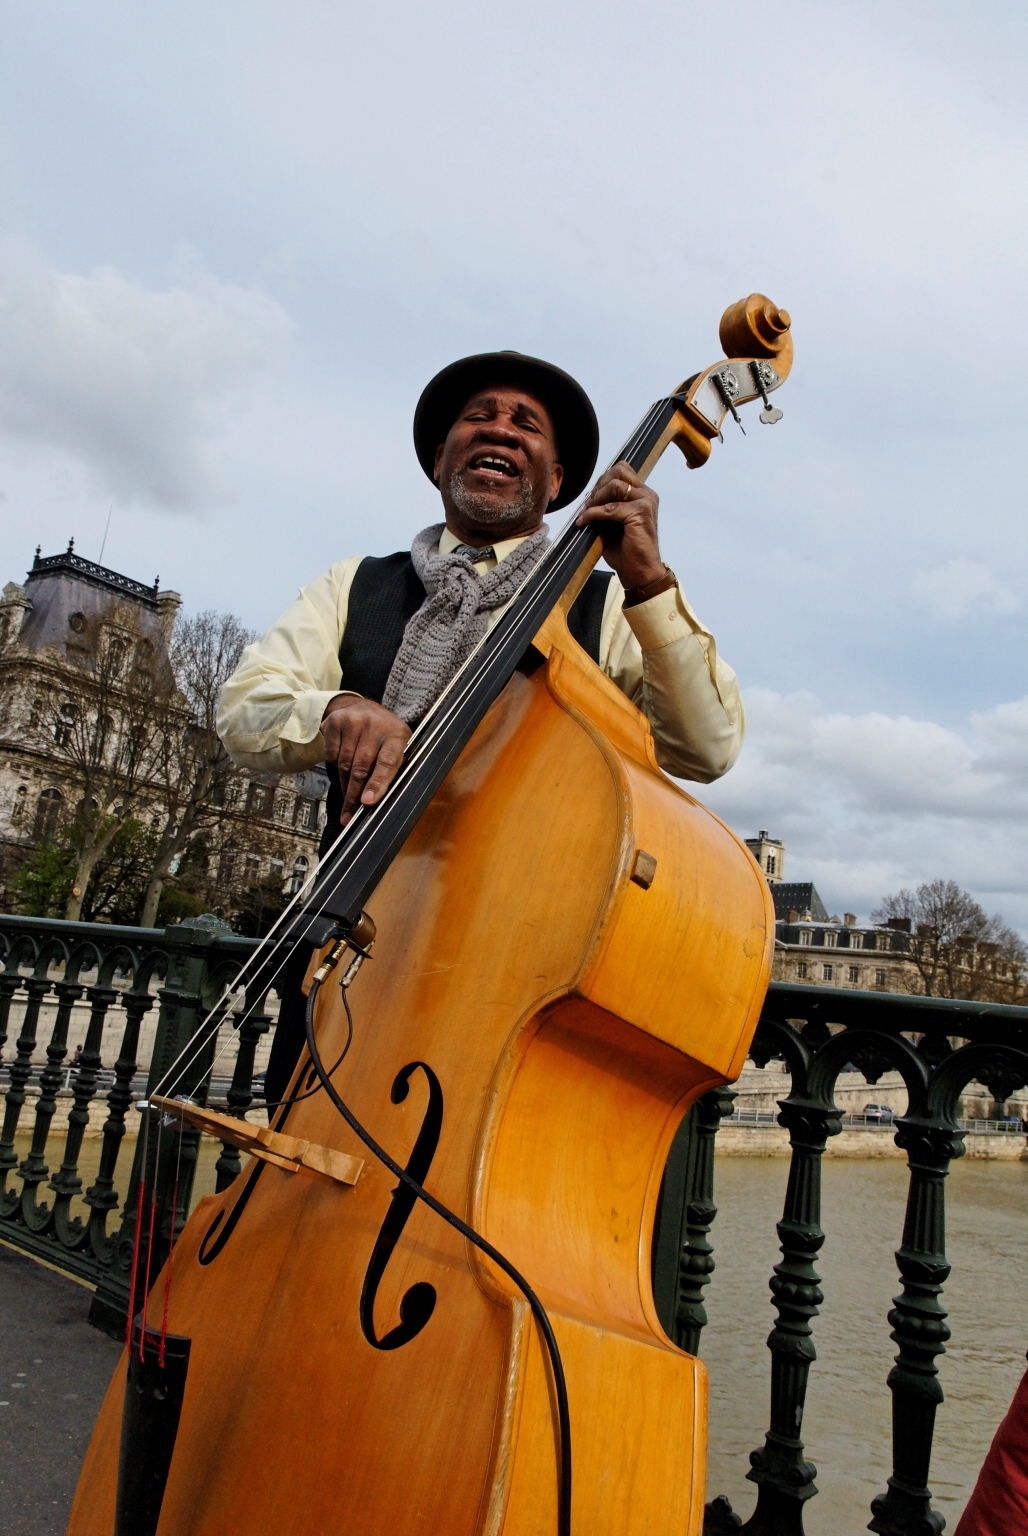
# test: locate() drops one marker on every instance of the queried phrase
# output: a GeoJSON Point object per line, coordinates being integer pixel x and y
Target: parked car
{"type": "Point", "coordinates": [880, 1112]}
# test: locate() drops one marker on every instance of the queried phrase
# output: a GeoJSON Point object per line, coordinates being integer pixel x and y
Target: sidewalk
{"type": "Point", "coordinates": [54, 1371]}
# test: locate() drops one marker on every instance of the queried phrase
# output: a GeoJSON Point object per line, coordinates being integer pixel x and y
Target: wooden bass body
{"type": "Point", "coordinates": [560, 1000]}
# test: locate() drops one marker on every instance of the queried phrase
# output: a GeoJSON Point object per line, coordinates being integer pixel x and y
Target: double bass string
{"type": "Point", "coordinates": [358, 834]}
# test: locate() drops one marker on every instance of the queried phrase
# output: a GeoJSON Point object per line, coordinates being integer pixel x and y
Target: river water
{"type": "Point", "coordinates": [847, 1423]}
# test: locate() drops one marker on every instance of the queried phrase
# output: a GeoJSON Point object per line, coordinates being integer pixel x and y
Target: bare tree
{"type": "Point", "coordinates": [107, 718]}
{"type": "Point", "coordinates": [957, 950]}
{"type": "Point", "coordinates": [1004, 964]}
{"type": "Point", "coordinates": [191, 763]}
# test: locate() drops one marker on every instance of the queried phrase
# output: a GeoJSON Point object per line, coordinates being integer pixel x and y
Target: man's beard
{"type": "Point", "coordinates": [482, 509]}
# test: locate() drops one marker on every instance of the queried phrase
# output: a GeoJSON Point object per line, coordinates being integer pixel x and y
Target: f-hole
{"type": "Point", "coordinates": [418, 1303]}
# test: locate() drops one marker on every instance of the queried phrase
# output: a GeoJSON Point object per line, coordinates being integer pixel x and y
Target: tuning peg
{"type": "Point", "coordinates": [728, 387]}
{"type": "Point", "coordinates": [770, 414]}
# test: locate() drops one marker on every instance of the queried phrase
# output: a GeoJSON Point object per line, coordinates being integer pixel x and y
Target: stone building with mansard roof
{"type": "Point", "coordinates": [269, 825]}
{"type": "Point", "coordinates": [821, 950]}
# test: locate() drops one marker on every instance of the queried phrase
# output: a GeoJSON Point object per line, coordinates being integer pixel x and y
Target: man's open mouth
{"type": "Point", "coordinates": [492, 463]}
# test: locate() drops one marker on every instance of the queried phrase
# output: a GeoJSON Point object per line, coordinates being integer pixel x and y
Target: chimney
{"type": "Point", "coordinates": [850, 919]}
{"type": "Point", "coordinates": [168, 605]}
{"type": "Point", "coordinates": [793, 916]}
{"type": "Point", "coordinates": [901, 924]}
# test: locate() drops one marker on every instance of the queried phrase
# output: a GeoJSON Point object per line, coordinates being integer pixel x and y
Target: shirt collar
{"type": "Point", "coordinates": [449, 541]}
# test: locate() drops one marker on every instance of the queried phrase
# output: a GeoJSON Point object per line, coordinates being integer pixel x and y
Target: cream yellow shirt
{"type": "Point", "coordinates": [658, 653]}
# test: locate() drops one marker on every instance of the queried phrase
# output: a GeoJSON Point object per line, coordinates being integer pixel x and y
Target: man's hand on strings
{"type": "Point", "coordinates": [366, 743]}
{"type": "Point", "coordinates": [624, 511]}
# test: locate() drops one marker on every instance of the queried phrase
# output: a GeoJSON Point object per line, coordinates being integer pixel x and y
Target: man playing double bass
{"type": "Point", "coordinates": [356, 661]}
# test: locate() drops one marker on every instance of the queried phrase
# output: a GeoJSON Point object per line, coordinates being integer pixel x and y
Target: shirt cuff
{"type": "Point", "coordinates": [304, 723]}
{"type": "Point", "coordinates": [662, 620]}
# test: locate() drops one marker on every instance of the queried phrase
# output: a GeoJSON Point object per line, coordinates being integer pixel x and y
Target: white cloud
{"type": "Point", "coordinates": [134, 383]}
{"type": "Point", "coordinates": [962, 586]}
{"type": "Point", "coordinates": [868, 803]}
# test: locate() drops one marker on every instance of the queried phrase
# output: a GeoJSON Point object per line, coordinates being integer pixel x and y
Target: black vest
{"type": "Point", "coordinates": [385, 593]}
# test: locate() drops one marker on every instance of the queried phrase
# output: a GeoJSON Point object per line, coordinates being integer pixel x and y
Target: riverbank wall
{"type": "Point", "coordinates": [862, 1141]}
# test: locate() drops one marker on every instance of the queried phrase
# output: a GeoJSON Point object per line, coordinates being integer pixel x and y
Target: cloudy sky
{"type": "Point", "coordinates": [236, 240]}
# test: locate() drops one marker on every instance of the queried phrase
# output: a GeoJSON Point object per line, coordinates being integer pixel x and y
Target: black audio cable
{"type": "Point", "coordinates": [538, 1311]}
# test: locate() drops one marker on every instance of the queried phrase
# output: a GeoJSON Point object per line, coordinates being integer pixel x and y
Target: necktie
{"type": "Point", "coordinates": [471, 553]}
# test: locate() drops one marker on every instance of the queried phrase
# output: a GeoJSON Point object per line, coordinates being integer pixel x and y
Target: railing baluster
{"type": "Point", "coordinates": [34, 1169]}
{"type": "Point", "coordinates": [784, 1478]}
{"type": "Point", "coordinates": [919, 1328]}
{"type": "Point", "coordinates": [931, 1139]}
{"type": "Point", "coordinates": [696, 1260]}
{"type": "Point", "coordinates": [37, 987]}
{"type": "Point", "coordinates": [10, 981]}
{"type": "Point", "coordinates": [72, 1231]}
{"type": "Point", "coordinates": [180, 1157]}
{"type": "Point", "coordinates": [101, 1196]}
{"type": "Point", "coordinates": [257, 1022]}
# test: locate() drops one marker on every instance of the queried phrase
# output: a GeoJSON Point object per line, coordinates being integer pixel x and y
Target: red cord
{"type": "Point", "coordinates": [135, 1265]}
{"type": "Point", "coordinates": [167, 1277]}
{"type": "Point", "coordinates": [146, 1282]}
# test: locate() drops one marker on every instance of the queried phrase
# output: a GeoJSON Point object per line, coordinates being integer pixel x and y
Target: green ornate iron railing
{"type": "Point", "coordinates": [122, 973]}
{"type": "Point", "coordinates": [937, 1046]}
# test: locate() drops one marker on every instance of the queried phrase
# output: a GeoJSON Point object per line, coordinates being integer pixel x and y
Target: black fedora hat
{"type": "Point", "coordinates": [578, 434]}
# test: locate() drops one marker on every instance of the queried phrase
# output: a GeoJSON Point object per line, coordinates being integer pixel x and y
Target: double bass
{"type": "Point", "coordinates": [425, 1304]}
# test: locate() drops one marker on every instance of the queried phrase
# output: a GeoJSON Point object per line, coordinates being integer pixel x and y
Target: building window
{"type": "Point", "coordinates": [830, 939]}
{"type": "Point", "coordinates": [856, 941]}
{"type": "Point", "coordinates": [77, 622]}
{"type": "Point", "coordinates": [804, 935]}
{"type": "Point", "coordinates": [20, 796]}
{"type": "Point", "coordinates": [227, 865]}
{"type": "Point", "coordinates": [305, 813]}
{"type": "Point", "coordinates": [253, 868]}
{"type": "Point", "coordinates": [801, 971]}
{"type": "Point", "coordinates": [826, 972]}
{"type": "Point", "coordinates": [63, 726]}
{"type": "Point", "coordinates": [259, 800]}
{"type": "Point", "coordinates": [48, 812]}
{"type": "Point", "coordinates": [276, 870]}
{"type": "Point", "coordinates": [879, 977]}
{"type": "Point", "coordinates": [772, 864]}
{"type": "Point", "coordinates": [117, 649]}
{"type": "Point", "coordinates": [299, 875]}
{"type": "Point", "coordinates": [103, 733]}
{"type": "Point", "coordinates": [854, 974]}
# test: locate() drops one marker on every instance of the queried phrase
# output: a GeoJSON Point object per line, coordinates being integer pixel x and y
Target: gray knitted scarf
{"type": "Point", "coordinates": [453, 618]}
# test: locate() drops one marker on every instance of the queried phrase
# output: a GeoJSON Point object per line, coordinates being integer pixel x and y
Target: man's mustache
{"type": "Point", "coordinates": [480, 504]}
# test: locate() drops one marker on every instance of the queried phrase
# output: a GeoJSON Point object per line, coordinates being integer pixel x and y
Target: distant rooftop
{"type": "Point", "coordinates": [96, 575]}
{"type": "Point", "coordinates": [799, 897]}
